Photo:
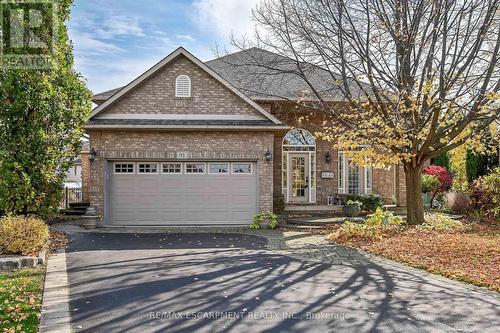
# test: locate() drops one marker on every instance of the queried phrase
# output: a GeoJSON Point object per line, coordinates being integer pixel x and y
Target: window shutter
{"type": "Point", "coordinates": [183, 86]}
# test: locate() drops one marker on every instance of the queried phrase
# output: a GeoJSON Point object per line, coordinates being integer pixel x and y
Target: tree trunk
{"type": "Point", "coordinates": [414, 203]}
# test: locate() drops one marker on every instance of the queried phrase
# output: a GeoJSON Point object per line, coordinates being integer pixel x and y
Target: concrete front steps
{"type": "Point", "coordinates": [76, 209]}
{"type": "Point", "coordinates": [318, 223]}
{"type": "Point", "coordinates": [311, 216]}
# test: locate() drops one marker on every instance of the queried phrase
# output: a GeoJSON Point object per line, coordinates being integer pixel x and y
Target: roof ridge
{"type": "Point", "coordinates": [247, 51]}
{"type": "Point", "coordinates": [173, 55]}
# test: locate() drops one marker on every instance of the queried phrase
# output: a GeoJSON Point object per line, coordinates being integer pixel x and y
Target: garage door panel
{"type": "Point", "coordinates": [240, 216]}
{"type": "Point", "coordinates": [182, 199]}
{"type": "Point", "coordinates": [142, 200]}
{"type": "Point", "coordinates": [193, 199]}
{"type": "Point", "coordinates": [171, 200]}
{"type": "Point", "coordinates": [147, 185]}
{"type": "Point", "coordinates": [124, 216]}
{"type": "Point", "coordinates": [124, 200]}
{"type": "Point", "coordinates": [218, 200]}
{"type": "Point", "coordinates": [196, 216]}
{"type": "Point", "coordinates": [241, 199]}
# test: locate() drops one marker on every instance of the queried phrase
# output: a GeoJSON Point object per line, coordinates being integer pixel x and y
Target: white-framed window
{"type": "Point", "coordinates": [242, 168]}
{"type": "Point", "coordinates": [217, 168]}
{"type": "Point", "coordinates": [352, 177]}
{"type": "Point", "coordinates": [284, 173]}
{"type": "Point", "coordinates": [341, 172]}
{"type": "Point", "coordinates": [368, 179]}
{"type": "Point", "coordinates": [171, 168]}
{"type": "Point", "coordinates": [183, 86]}
{"type": "Point", "coordinates": [124, 168]}
{"type": "Point", "coordinates": [147, 168]}
{"type": "Point", "coordinates": [198, 168]}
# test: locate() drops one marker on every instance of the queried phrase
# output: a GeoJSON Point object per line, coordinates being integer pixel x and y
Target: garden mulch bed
{"type": "Point", "coordinates": [58, 240]}
{"type": "Point", "coordinates": [471, 255]}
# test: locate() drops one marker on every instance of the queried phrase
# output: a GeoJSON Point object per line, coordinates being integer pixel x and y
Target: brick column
{"type": "Point", "coordinates": [85, 176]}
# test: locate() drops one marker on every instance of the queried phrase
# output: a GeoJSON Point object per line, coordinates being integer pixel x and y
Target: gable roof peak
{"type": "Point", "coordinates": [157, 67]}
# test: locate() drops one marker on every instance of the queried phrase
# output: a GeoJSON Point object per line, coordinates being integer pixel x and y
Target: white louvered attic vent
{"type": "Point", "coordinates": [183, 86]}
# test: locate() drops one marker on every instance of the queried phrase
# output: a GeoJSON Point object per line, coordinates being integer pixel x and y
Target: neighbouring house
{"type": "Point", "coordinates": [194, 143]}
{"type": "Point", "coordinates": [77, 179]}
{"type": "Point", "coordinates": [73, 177]}
{"type": "Point", "coordinates": [74, 174]}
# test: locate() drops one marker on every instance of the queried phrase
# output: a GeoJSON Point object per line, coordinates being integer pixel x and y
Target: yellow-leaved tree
{"type": "Point", "coordinates": [406, 80]}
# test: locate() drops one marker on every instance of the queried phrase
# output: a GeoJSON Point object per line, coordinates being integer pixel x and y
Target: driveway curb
{"type": "Point", "coordinates": [55, 315]}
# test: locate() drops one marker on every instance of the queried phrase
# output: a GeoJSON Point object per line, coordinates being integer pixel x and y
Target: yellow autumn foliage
{"type": "Point", "coordinates": [23, 235]}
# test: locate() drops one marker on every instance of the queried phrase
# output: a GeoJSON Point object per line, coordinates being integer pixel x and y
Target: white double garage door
{"type": "Point", "coordinates": [181, 193]}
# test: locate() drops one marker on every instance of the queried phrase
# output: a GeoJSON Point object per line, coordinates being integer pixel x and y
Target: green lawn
{"type": "Point", "coordinates": [20, 300]}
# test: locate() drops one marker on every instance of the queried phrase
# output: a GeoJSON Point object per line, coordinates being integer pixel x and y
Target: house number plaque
{"type": "Point", "coordinates": [182, 154]}
{"type": "Point", "coordinates": [327, 175]}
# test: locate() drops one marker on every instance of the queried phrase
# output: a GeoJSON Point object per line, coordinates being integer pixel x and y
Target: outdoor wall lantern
{"type": "Point", "coordinates": [268, 156]}
{"type": "Point", "coordinates": [92, 154]}
{"type": "Point", "coordinates": [328, 157]}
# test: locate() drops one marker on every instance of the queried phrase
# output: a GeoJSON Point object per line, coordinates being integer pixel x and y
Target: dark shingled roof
{"type": "Point", "coordinates": [176, 122]}
{"type": "Point", "coordinates": [101, 97]}
{"type": "Point", "coordinates": [277, 79]}
{"type": "Point", "coordinates": [265, 75]}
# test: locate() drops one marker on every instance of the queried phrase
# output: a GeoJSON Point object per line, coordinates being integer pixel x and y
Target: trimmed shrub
{"type": "Point", "coordinates": [259, 218]}
{"type": "Point", "coordinates": [443, 175]}
{"type": "Point", "coordinates": [378, 225]}
{"type": "Point", "coordinates": [479, 164]}
{"type": "Point", "coordinates": [485, 194]}
{"type": "Point", "coordinates": [430, 183]}
{"type": "Point", "coordinates": [370, 202]}
{"type": "Point", "coordinates": [356, 203]}
{"type": "Point", "coordinates": [383, 218]}
{"type": "Point", "coordinates": [442, 160]}
{"type": "Point", "coordinates": [445, 180]}
{"type": "Point", "coordinates": [440, 222]}
{"type": "Point", "coordinates": [23, 235]}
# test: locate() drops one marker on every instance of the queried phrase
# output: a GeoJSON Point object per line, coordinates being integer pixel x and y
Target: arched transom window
{"type": "Point", "coordinates": [299, 140]}
{"type": "Point", "coordinates": [183, 86]}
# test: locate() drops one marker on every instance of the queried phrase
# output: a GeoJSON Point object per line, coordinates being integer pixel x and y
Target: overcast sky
{"type": "Point", "coordinates": [117, 40]}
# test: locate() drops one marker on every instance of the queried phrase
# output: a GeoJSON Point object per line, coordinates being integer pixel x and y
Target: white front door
{"type": "Point", "coordinates": [298, 177]}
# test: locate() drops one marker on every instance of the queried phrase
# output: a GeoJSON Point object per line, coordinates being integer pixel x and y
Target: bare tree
{"type": "Point", "coordinates": [417, 77]}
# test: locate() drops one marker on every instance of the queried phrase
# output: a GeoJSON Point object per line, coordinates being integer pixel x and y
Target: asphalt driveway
{"type": "Point", "coordinates": [232, 283]}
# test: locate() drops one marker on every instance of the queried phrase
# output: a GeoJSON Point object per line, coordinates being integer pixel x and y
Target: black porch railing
{"type": "Point", "coordinates": [71, 195]}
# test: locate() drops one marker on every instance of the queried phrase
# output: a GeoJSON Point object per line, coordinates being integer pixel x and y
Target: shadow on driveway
{"type": "Point", "coordinates": [230, 283]}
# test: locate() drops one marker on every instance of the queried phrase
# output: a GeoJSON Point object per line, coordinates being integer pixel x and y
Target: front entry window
{"type": "Point", "coordinates": [353, 178]}
{"type": "Point", "coordinates": [299, 167]}
{"type": "Point", "coordinates": [299, 178]}
{"type": "Point", "coordinates": [299, 138]}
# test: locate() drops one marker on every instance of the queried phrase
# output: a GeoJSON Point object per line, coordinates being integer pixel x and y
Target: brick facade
{"type": "Point", "coordinates": [156, 95]}
{"type": "Point", "coordinates": [141, 145]}
{"type": "Point", "coordinates": [385, 181]}
{"type": "Point", "coordinates": [85, 176]}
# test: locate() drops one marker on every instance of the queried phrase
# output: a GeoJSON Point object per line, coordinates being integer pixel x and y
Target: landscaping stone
{"type": "Point", "coordinates": [10, 262]}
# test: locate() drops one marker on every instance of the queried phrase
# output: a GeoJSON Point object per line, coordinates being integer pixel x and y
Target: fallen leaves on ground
{"type": "Point", "coordinates": [58, 240]}
{"type": "Point", "coordinates": [20, 300]}
{"type": "Point", "coordinates": [471, 255]}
